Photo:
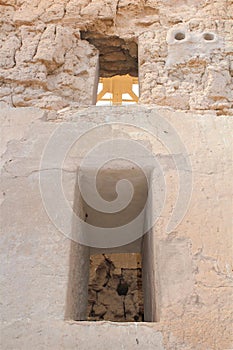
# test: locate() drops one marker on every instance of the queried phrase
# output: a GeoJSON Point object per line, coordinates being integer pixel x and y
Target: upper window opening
{"type": "Point", "coordinates": [117, 81]}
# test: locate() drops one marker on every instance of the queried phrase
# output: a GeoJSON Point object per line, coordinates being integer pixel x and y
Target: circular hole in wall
{"type": "Point", "coordinates": [208, 36]}
{"type": "Point", "coordinates": [179, 36]}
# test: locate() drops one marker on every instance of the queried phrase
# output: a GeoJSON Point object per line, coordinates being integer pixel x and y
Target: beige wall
{"type": "Point", "coordinates": [193, 262]}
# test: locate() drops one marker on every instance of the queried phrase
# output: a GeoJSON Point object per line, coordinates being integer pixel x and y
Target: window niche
{"type": "Point", "coordinates": [113, 284]}
{"type": "Point", "coordinates": [117, 81]}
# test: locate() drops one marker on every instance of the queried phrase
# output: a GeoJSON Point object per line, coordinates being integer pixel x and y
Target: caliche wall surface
{"type": "Point", "coordinates": [192, 261]}
{"type": "Point", "coordinates": [49, 51]}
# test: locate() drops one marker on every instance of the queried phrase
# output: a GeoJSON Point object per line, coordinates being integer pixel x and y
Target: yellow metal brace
{"type": "Point", "coordinates": [117, 86]}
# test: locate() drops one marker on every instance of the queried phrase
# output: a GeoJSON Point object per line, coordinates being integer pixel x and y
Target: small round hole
{"type": "Point", "coordinates": [208, 36]}
{"type": "Point", "coordinates": [179, 36]}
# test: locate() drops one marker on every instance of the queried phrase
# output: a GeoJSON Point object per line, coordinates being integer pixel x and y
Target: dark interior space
{"type": "Point", "coordinates": [116, 55]}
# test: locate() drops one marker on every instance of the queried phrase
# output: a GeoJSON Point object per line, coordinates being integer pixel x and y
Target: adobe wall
{"type": "Point", "coordinates": [47, 60]}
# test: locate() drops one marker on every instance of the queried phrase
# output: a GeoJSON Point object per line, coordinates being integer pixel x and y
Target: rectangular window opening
{"type": "Point", "coordinates": [117, 81]}
{"type": "Point", "coordinates": [113, 284]}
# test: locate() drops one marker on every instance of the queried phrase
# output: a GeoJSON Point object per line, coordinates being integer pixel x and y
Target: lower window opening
{"type": "Point", "coordinates": [113, 284]}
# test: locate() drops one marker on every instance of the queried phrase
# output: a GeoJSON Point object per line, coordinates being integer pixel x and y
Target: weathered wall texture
{"type": "Point", "coordinates": [194, 72]}
{"type": "Point", "coordinates": [194, 263]}
{"type": "Point", "coordinates": [44, 63]}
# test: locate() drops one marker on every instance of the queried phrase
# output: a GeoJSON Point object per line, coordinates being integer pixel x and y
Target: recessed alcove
{"type": "Point", "coordinates": [113, 282]}
{"type": "Point", "coordinates": [180, 36]}
{"type": "Point", "coordinates": [208, 36]}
